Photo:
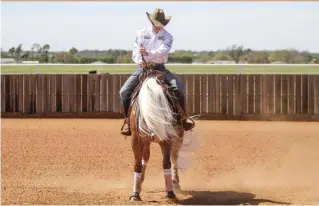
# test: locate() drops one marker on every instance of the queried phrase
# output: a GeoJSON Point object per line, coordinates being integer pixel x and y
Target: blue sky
{"type": "Point", "coordinates": [194, 25]}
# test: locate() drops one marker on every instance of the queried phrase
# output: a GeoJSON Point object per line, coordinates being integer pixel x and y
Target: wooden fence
{"type": "Point", "coordinates": [288, 97]}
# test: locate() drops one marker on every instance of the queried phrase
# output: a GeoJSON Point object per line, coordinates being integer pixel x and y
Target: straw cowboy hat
{"type": "Point", "coordinates": [158, 17]}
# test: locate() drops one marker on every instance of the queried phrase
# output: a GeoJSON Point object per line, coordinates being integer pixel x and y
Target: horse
{"type": "Point", "coordinates": [155, 116]}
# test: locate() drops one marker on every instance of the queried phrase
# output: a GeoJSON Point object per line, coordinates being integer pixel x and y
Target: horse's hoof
{"type": "Point", "coordinates": [135, 197]}
{"type": "Point", "coordinates": [171, 197]}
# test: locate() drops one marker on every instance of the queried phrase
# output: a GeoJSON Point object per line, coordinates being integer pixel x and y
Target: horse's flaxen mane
{"type": "Point", "coordinates": [155, 111]}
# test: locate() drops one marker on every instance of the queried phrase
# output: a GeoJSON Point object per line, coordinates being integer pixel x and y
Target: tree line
{"type": "Point", "coordinates": [234, 53]}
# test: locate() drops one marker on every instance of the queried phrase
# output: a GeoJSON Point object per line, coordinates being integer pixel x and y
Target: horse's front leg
{"type": "Point", "coordinates": [166, 151]}
{"type": "Point", "coordinates": [146, 157]}
{"type": "Point", "coordinates": [138, 154]}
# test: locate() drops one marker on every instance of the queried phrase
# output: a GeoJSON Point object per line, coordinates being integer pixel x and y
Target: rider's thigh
{"type": "Point", "coordinates": [131, 82]}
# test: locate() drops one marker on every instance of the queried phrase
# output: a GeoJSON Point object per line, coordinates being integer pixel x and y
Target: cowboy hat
{"type": "Point", "coordinates": [158, 17]}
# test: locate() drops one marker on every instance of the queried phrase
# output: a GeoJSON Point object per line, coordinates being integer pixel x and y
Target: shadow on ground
{"type": "Point", "coordinates": [223, 198]}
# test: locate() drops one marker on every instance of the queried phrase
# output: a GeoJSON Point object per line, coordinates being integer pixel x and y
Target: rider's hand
{"type": "Point", "coordinates": [143, 51]}
{"type": "Point", "coordinates": [142, 64]}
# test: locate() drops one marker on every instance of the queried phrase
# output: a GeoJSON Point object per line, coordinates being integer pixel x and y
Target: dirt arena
{"type": "Point", "coordinates": [86, 161]}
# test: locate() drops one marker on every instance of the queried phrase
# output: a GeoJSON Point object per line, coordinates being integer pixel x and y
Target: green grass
{"type": "Point", "coordinates": [188, 69]}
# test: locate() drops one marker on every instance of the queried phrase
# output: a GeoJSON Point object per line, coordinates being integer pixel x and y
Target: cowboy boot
{"type": "Point", "coordinates": [181, 99]}
{"type": "Point", "coordinates": [126, 131]}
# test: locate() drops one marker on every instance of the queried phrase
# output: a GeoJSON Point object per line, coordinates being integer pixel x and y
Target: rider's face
{"type": "Point", "coordinates": [157, 29]}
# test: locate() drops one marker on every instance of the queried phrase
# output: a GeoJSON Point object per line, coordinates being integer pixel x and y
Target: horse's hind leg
{"type": "Point", "coordinates": [174, 157]}
{"type": "Point", "coordinates": [138, 153]}
{"type": "Point", "coordinates": [166, 151]}
{"type": "Point", "coordinates": [145, 159]}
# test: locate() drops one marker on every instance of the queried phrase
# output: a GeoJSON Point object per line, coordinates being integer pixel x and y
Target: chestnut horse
{"type": "Point", "coordinates": [155, 116]}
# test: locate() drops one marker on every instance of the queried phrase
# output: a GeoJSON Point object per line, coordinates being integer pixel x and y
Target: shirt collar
{"type": "Point", "coordinates": [156, 34]}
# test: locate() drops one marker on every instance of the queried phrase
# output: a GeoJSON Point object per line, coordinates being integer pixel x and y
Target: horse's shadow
{"type": "Point", "coordinates": [223, 198]}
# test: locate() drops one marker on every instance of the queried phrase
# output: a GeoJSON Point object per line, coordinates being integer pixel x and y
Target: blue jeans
{"type": "Point", "coordinates": [132, 82]}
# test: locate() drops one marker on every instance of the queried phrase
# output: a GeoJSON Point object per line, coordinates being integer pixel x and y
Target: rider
{"type": "Point", "coordinates": [153, 44]}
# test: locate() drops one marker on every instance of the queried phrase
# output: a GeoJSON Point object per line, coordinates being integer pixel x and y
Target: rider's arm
{"type": "Point", "coordinates": [164, 48]}
{"type": "Point", "coordinates": [136, 55]}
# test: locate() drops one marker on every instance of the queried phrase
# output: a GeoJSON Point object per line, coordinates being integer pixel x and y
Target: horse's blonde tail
{"type": "Point", "coordinates": [155, 112]}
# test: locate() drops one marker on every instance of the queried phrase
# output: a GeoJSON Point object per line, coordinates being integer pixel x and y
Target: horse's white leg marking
{"type": "Point", "coordinates": [137, 182]}
{"type": "Point", "coordinates": [168, 180]}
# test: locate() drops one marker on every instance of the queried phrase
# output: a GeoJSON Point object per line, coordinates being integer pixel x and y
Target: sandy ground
{"type": "Point", "coordinates": [85, 161]}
